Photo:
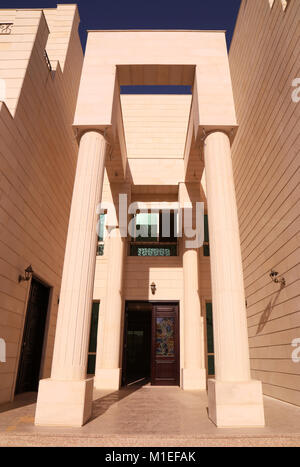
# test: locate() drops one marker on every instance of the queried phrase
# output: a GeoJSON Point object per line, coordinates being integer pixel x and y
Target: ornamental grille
{"type": "Point", "coordinates": [5, 28]}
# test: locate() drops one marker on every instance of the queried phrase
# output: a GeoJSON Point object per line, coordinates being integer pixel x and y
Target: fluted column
{"type": "Point", "coordinates": [66, 398]}
{"type": "Point", "coordinates": [108, 364]}
{"type": "Point", "coordinates": [234, 399]}
{"type": "Point", "coordinates": [194, 373]}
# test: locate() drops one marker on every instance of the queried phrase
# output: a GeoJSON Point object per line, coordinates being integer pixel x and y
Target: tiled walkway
{"type": "Point", "coordinates": [148, 416]}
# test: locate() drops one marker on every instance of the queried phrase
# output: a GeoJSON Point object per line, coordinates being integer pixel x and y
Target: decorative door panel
{"type": "Point", "coordinates": [165, 345]}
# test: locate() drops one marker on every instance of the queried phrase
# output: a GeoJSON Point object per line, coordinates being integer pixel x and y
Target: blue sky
{"type": "Point", "coordinates": [146, 14]}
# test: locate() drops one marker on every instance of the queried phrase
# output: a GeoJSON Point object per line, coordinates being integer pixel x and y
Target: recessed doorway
{"type": "Point", "coordinates": [151, 344]}
{"type": "Point", "coordinates": [33, 338]}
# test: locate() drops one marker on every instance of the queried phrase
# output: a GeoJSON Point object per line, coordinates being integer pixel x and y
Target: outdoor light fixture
{"type": "Point", "coordinates": [28, 275]}
{"type": "Point", "coordinates": [273, 275]}
{"type": "Point", "coordinates": [153, 288]}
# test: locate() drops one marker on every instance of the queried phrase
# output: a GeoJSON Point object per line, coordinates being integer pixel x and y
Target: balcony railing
{"type": "Point", "coordinates": [5, 28]}
{"type": "Point", "coordinates": [100, 249]}
{"type": "Point", "coordinates": [47, 60]}
{"type": "Point", "coordinates": [153, 249]}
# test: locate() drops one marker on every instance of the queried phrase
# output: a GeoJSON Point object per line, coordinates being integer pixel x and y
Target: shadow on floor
{"type": "Point", "coordinates": [102, 404]}
{"type": "Point", "coordinates": [21, 400]}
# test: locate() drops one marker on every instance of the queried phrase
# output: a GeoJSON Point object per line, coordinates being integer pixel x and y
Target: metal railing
{"type": "Point", "coordinates": [151, 249]}
{"type": "Point", "coordinates": [6, 28]}
{"type": "Point", "coordinates": [100, 249]}
{"type": "Point", "coordinates": [47, 60]}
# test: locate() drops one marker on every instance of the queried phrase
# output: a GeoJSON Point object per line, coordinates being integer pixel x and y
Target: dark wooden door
{"type": "Point", "coordinates": [165, 345]}
{"type": "Point", "coordinates": [33, 338]}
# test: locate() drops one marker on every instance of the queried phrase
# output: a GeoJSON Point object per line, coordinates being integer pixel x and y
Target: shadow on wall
{"type": "Point", "coordinates": [267, 313]}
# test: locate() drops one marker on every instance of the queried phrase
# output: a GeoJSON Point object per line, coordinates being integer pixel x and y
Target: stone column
{"type": "Point", "coordinates": [234, 399]}
{"type": "Point", "coordinates": [193, 373]}
{"type": "Point", "coordinates": [66, 398]}
{"type": "Point", "coordinates": [108, 364]}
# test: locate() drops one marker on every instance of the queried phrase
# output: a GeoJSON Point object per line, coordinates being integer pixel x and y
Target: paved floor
{"type": "Point", "coordinates": [148, 416]}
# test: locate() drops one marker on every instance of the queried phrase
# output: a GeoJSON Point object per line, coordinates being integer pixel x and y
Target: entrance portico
{"type": "Point", "coordinates": [115, 58]}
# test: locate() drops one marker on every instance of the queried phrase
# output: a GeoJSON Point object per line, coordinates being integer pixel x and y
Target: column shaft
{"type": "Point", "coordinates": [72, 332]}
{"type": "Point", "coordinates": [194, 374]}
{"type": "Point", "coordinates": [233, 398]}
{"type": "Point", "coordinates": [66, 398]}
{"type": "Point", "coordinates": [230, 325]}
{"type": "Point", "coordinates": [108, 366]}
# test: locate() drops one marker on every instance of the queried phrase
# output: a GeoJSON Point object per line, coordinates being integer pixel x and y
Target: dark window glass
{"type": "Point", "coordinates": [209, 328]}
{"type": "Point", "coordinates": [94, 328]}
{"type": "Point", "coordinates": [91, 365]}
{"type": "Point", "coordinates": [206, 235]}
{"type": "Point", "coordinates": [211, 365]}
{"type": "Point", "coordinates": [93, 339]}
{"type": "Point", "coordinates": [206, 251]}
{"type": "Point", "coordinates": [170, 232]}
{"type": "Point", "coordinates": [210, 340]}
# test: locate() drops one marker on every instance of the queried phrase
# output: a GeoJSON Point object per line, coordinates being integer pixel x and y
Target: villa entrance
{"type": "Point", "coordinates": [151, 344]}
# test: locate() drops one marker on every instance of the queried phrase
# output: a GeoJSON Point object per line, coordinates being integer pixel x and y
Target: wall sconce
{"type": "Point", "coordinates": [28, 275]}
{"type": "Point", "coordinates": [153, 288]}
{"type": "Point", "coordinates": [281, 281]}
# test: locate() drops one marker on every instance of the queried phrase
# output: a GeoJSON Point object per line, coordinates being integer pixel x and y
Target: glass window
{"type": "Point", "coordinates": [206, 251]}
{"type": "Point", "coordinates": [93, 339]}
{"type": "Point", "coordinates": [101, 235]}
{"type": "Point", "coordinates": [101, 227]}
{"type": "Point", "coordinates": [211, 365]}
{"type": "Point", "coordinates": [209, 328]}
{"type": "Point", "coordinates": [147, 227]}
{"type": "Point", "coordinates": [165, 342]}
{"type": "Point", "coordinates": [91, 364]}
{"type": "Point", "coordinates": [160, 229]}
{"type": "Point", "coordinates": [210, 340]}
{"type": "Point", "coordinates": [168, 228]}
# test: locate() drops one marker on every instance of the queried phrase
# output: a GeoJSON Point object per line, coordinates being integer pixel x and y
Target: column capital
{"type": "Point", "coordinates": [229, 131]}
{"type": "Point", "coordinates": [79, 133]}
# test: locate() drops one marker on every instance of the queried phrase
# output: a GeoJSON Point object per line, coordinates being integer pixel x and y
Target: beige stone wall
{"type": "Point", "coordinates": [38, 154]}
{"type": "Point", "coordinates": [264, 60]}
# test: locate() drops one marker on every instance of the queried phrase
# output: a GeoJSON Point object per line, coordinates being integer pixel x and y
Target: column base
{"type": "Point", "coordinates": [233, 404]}
{"type": "Point", "coordinates": [193, 379]}
{"type": "Point", "coordinates": [64, 403]}
{"type": "Point", "coordinates": [108, 378]}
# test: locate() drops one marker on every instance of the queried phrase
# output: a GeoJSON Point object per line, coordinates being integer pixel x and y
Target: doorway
{"type": "Point", "coordinates": [33, 338]}
{"type": "Point", "coordinates": [151, 344]}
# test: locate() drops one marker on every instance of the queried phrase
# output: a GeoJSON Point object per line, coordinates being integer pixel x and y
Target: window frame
{"type": "Point", "coordinates": [161, 242]}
